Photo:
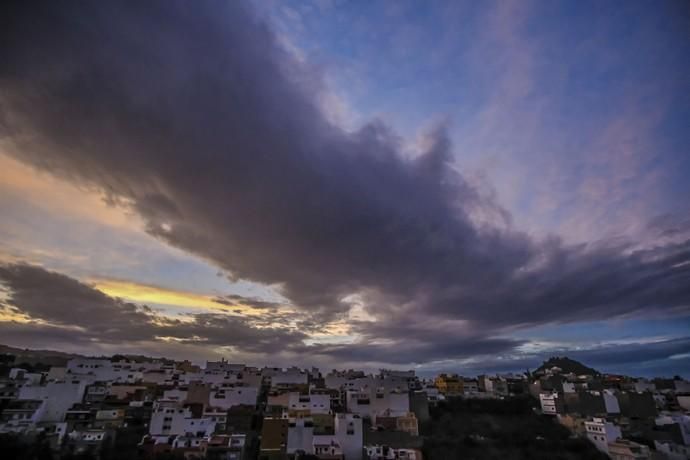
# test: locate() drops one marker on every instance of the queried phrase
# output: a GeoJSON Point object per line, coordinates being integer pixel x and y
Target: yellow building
{"type": "Point", "coordinates": [449, 385]}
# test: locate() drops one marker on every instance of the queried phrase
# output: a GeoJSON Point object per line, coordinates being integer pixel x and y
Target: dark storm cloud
{"type": "Point", "coordinates": [650, 359]}
{"type": "Point", "coordinates": [64, 310]}
{"type": "Point", "coordinates": [191, 115]}
{"type": "Point", "coordinates": [64, 301]}
{"type": "Point", "coordinates": [622, 355]}
{"type": "Point", "coordinates": [404, 353]}
{"type": "Point", "coordinates": [234, 299]}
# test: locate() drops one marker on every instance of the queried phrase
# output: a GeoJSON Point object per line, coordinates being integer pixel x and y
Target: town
{"type": "Point", "coordinates": [152, 409]}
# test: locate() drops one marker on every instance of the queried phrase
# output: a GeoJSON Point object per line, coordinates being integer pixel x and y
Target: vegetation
{"type": "Point", "coordinates": [482, 429]}
{"type": "Point", "coordinates": [7, 362]}
{"type": "Point", "coordinates": [14, 447]}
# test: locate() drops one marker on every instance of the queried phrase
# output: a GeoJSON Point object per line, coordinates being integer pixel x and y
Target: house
{"type": "Point", "coordinates": [218, 416]}
{"type": "Point", "coordinates": [126, 391]}
{"type": "Point", "coordinates": [350, 435]}
{"type": "Point", "coordinates": [611, 402]}
{"type": "Point", "coordinates": [672, 450]}
{"type": "Point", "coordinates": [58, 397]}
{"type": "Point", "coordinates": [379, 452]}
{"type": "Point", "coordinates": [89, 441]}
{"type": "Point", "coordinates": [300, 436]}
{"type": "Point", "coordinates": [223, 366]}
{"type": "Point", "coordinates": [485, 384]}
{"type": "Point", "coordinates": [551, 403]}
{"type": "Point", "coordinates": [21, 415]}
{"type": "Point", "coordinates": [623, 449]}
{"type": "Point", "coordinates": [308, 404]}
{"type": "Point", "coordinates": [433, 394]}
{"type": "Point", "coordinates": [327, 447]}
{"type": "Point", "coordinates": [240, 419]}
{"type": "Point", "coordinates": [601, 432]}
{"type": "Point", "coordinates": [407, 423]}
{"type": "Point", "coordinates": [470, 386]}
{"type": "Point", "coordinates": [642, 385]}
{"type": "Point", "coordinates": [187, 443]}
{"type": "Point", "coordinates": [28, 378]}
{"type": "Point", "coordinates": [369, 402]}
{"type": "Point", "coordinates": [110, 418]}
{"type": "Point", "coordinates": [229, 395]}
{"type": "Point", "coordinates": [500, 386]}
{"type": "Point", "coordinates": [681, 420]}
{"type": "Point", "coordinates": [419, 404]}
{"type": "Point", "coordinates": [102, 370]}
{"type": "Point", "coordinates": [170, 418]}
{"type": "Point", "coordinates": [449, 385]}
{"type": "Point", "coordinates": [274, 437]}
{"type": "Point", "coordinates": [224, 447]}
{"type": "Point", "coordinates": [282, 377]}
{"type": "Point", "coordinates": [683, 401]}
{"type": "Point", "coordinates": [9, 390]}
{"type": "Point", "coordinates": [96, 392]}
{"type": "Point", "coordinates": [79, 417]}
{"type": "Point", "coordinates": [637, 405]}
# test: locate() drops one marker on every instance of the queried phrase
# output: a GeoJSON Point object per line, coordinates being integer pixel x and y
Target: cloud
{"type": "Point", "coordinates": [662, 357]}
{"type": "Point", "coordinates": [63, 301]}
{"type": "Point", "coordinates": [411, 352]}
{"type": "Point", "coordinates": [195, 119]}
{"type": "Point", "coordinates": [58, 309]}
{"type": "Point", "coordinates": [148, 293]}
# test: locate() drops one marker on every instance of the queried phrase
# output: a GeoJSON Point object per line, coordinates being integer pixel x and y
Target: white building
{"type": "Point", "coordinates": [642, 385]}
{"type": "Point", "coordinates": [175, 394]}
{"type": "Point", "coordinates": [188, 441]}
{"type": "Point", "coordinates": [223, 366]}
{"type": "Point", "coordinates": [683, 401]}
{"type": "Point", "coordinates": [433, 395]}
{"type": "Point", "coordinates": [623, 449]}
{"type": "Point", "coordinates": [349, 431]}
{"type": "Point", "coordinates": [601, 433]}
{"type": "Point", "coordinates": [672, 450]}
{"type": "Point", "coordinates": [58, 397]}
{"type": "Point", "coordinates": [569, 387]}
{"type": "Point", "coordinates": [102, 370]}
{"type": "Point", "coordinates": [376, 452]}
{"type": "Point", "coordinates": [681, 386]}
{"type": "Point", "coordinates": [170, 418]}
{"type": "Point", "coordinates": [21, 415]}
{"type": "Point", "coordinates": [219, 416]}
{"type": "Point", "coordinates": [157, 376]}
{"type": "Point", "coordinates": [311, 403]}
{"type": "Point", "coordinates": [283, 377]}
{"type": "Point", "coordinates": [56, 373]}
{"type": "Point", "coordinates": [326, 446]}
{"type": "Point", "coordinates": [550, 403]}
{"type": "Point", "coordinates": [369, 402]}
{"type": "Point", "coordinates": [681, 419]}
{"type": "Point", "coordinates": [30, 378]}
{"type": "Point", "coordinates": [300, 435]}
{"type": "Point", "coordinates": [611, 402]}
{"type": "Point", "coordinates": [228, 396]}
{"type": "Point", "coordinates": [486, 384]}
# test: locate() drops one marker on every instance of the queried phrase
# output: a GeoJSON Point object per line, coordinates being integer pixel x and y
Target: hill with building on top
{"type": "Point", "coordinates": [566, 365]}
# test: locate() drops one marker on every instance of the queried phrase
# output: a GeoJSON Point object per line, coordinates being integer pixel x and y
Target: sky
{"type": "Point", "coordinates": [440, 186]}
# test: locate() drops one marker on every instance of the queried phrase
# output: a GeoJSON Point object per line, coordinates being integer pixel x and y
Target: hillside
{"type": "Point", "coordinates": [567, 365]}
{"type": "Point", "coordinates": [49, 357]}
{"type": "Point", "coordinates": [60, 358]}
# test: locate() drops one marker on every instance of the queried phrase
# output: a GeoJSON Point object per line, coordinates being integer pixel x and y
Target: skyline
{"type": "Point", "coordinates": [367, 184]}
